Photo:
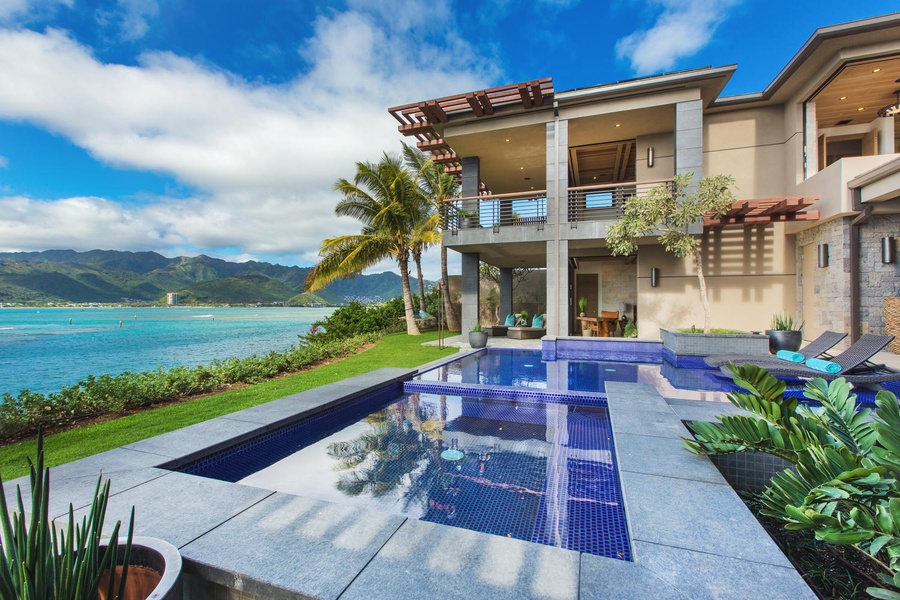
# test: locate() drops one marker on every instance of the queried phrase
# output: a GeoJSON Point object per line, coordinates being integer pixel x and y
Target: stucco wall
{"type": "Point", "coordinates": [750, 276]}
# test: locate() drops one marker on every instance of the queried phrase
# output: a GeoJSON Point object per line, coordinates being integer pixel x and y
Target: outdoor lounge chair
{"type": "Point", "coordinates": [818, 348]}
{"type": "Point", "coordinates": [501, 330]}
{"type": "Point", "coordinates": [537, 330]}
{"type": "Point", "coordinates": [854, 362]}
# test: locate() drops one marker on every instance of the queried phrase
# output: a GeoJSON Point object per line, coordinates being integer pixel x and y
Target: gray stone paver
{"type": "Point", "coordinates": [179, 508]}
{"type": "Point", "coordinates": [663, 456]}
{"type": "Point", "coordinates": [291, 544]}
{"type": "Point", "coordinates": [610, 579]}
{"type": "Point", "coordinates": [425, 560]}
{"type": "Point", "coordinates": [183, 443]}
{"type": "Point", "coordinates": [695, 515]}
{"type": "Point", "coordinates": [706, 576]}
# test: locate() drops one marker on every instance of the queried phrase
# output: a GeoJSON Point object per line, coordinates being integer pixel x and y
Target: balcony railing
{"type": "Point", "coordinates": [496, 211]}
{"type": "Point", "coordinates": [606, 202]}
{"type": "Point", "coordinates": [586, 203]}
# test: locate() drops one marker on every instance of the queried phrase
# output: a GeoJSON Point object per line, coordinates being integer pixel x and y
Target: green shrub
{"type": "Point", "coordinates": [97, 395]}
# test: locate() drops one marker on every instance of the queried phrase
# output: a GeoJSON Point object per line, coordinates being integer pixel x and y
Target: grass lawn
{"type": "Point", "coordinates": [395, 350]}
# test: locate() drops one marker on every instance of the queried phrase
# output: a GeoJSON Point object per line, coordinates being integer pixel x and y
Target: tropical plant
{"type": "Point", "coordinates": [673, 210]}
{"type": "Point", "coordinates": [40, 562]}
{"type": "Point", "coordinates": [436, 186]}
{"type": "Point", "coordinates": [477, 328]}
{"type": "Point", "coordinates": [582, 304]}
{"type": "Point", "coordinates": [630, 330]}
{"type": "Point", "coordinates": [786, 322]}
{"type": "Point", "coordinates": [384, 197]}
{"type": "Point", "coordinates": [845, 486]}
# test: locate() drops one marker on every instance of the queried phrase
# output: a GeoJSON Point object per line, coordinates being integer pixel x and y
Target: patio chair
{"type": "Point", "coordinates": [818, 348]}
{"type": "Point", "coordinates": [605, 326]}
{"type": "Point", "coordinates": [854, 363]}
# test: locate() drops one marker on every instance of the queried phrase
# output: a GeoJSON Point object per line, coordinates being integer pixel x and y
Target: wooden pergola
{"type": "Point", "coordinates": [418, 120]}
{"type": "Point", "coordinates": [764, 211]}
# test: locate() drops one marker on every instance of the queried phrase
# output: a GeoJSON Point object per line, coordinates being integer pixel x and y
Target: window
{"type": "Point", "coordinates": [598, 200]}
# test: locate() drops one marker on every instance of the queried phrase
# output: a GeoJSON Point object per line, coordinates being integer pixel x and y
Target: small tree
{"type": "Point", "coordinates": [671, 210]}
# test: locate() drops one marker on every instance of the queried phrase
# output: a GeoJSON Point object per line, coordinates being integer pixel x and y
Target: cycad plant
{"type": "Point", "coordinates": [40, 562]}
{"type": "Point", "coordinates": [845, 487]}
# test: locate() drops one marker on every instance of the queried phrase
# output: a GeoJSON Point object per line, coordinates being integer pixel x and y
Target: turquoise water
{"type": "Point", "coordinates": [42, 349]}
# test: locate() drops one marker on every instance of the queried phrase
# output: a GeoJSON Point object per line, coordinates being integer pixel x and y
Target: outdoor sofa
{"type": "Point", "coordinates": [537, 330]}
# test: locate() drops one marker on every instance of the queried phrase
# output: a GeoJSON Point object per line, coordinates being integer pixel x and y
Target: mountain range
{"type": "Point", "coordinates": [110, 276]}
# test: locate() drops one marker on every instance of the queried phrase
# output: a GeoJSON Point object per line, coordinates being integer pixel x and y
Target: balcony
{"type": "Point", "coordinates": [585, 204]}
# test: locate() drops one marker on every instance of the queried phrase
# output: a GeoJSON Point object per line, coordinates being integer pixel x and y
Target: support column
{"type": "Point", "coordinates": [810, 140]}
{"type": "Point", "coordinates": [506, 293]}
{"type": "Point", "coordinates": [886, 135]}
{"type": "Point", "coordinates": [557, 216]}
{"type": "Point", "coordinates": [471, 294]}
{"type": "Point", "coordinates": [689, 145]}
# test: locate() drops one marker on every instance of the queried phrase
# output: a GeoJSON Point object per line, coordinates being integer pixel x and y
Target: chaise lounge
{"type": "Point", "coordinates": [853, 364]}
{"type": "Point", "coordinates": [818, 348]}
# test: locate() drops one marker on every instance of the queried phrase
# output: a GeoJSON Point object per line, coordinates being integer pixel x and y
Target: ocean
{"type": "Point", "coordinates": [43, 349]}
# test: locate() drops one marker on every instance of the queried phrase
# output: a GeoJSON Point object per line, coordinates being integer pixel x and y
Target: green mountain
{"type": "Point", "coordinates": [115, 276]}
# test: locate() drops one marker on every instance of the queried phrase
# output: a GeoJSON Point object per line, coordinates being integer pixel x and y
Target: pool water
{"type": "Point", "coordinates": [524, 369]}
{"type": "Point", "coordinates": [541, 471]}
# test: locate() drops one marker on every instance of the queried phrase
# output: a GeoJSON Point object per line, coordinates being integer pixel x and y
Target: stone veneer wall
{"type": "Point", "coordinates": [832, 284]}
{"type": "Point", "coordinates": [877, 280]}
{"type": "Point", "coordinates": [618, 283]}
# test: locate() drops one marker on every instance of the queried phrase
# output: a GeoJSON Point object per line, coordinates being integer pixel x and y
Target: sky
{"type": "Point", "coordinates": [219, 127]}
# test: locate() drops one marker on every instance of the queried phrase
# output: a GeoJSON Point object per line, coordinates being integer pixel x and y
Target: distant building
{"type": "Point", "coordinates": [172, 298]}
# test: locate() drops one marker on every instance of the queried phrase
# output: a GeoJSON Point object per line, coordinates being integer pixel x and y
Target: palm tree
{"type": "Point", "coordinates": [426, 232]}
{"type": "Point", "coordinates": [436, 186]}
{"type": "Point", "coordinates": [384, 197]}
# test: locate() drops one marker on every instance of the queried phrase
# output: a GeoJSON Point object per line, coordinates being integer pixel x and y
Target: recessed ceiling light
{"type": "Point", "coordinates": [876, 70]}
{"type": "Point", "coordinates": [861, 108]}
{"type": "Point", "coordinates": [507, 139]}
{"type": "Point", "coordinates": [595, 177]}
{"type": "Point", "coordinates": [842, 98]}
{"type": "Point", "coordinates": [618, 124]}
{"type": "Point", "coordinates": [521, 168]}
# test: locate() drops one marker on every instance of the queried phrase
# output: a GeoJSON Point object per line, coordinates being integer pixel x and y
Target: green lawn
{"type": "Point", "coordinates": [395, 350]}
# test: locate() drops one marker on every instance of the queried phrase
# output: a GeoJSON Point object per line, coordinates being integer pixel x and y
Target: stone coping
{"type": "Point", "coordinates": [692, 537]}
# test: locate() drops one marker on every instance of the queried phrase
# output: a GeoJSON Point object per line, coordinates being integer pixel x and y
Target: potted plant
{"type": "Point", "coordinates": [582, 304]}
{"type": "Point", "coordinates": [468, 219]}
{"type": "Point", "coordinates": [478, 337]}
{"type": "Point", "coordinates": [39, 559]}
{"type": "Point", "coordinates": [785, 334]}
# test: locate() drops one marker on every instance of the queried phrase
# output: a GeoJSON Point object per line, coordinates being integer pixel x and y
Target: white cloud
{"type": "Point", "coordinates": [263, 158]}
{"type": "Point", "coordinates": [4, 162]}
{"type": "Point", "coordinates": [682, 29]}
{"type": "Point", "coordinates": [18, 10]}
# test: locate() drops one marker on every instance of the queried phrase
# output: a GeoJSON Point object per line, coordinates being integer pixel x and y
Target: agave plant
{"type": "Point", "coordinates": [845, 488]}
{"type": "Point", "coordinates": [41, 562]}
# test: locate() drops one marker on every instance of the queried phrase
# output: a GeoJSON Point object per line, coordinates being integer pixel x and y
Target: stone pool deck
{"type": "Point", "coordinates": [691, 535]}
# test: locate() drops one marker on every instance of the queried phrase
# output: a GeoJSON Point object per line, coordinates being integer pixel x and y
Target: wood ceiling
{"type": "Point", "coordinates": [862, 88]}
{"type": "Point", "coordinates": [601, 164]}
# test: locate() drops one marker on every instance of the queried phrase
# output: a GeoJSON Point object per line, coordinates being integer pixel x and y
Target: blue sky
{"type": "Point", "coordinates": [219, 126]}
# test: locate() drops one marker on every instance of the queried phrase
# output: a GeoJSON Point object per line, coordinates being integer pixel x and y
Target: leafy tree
{"type": "Point", "coordinates": [436, 186]}
{"type": "Point", "coordinates": [672, 210]}
{"type": "Point", "coordinates": [845, 487]}
{"type": "Point", "coordinates": [384, 197]}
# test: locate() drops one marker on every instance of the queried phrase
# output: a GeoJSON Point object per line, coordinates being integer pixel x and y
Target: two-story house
{"type": "Point", "coordinates": [545, 173]}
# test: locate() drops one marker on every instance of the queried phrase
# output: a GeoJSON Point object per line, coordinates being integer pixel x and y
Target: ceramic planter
{"type": "Point", "coordinates": [784, 340]}
{"type": "Point", "coordinates": [154, 570]}
{"type": "Point", "coordinates": [478, 339]}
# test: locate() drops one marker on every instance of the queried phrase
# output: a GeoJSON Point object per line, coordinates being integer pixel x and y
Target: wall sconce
{"type": "Point", "coordinates": [887, 250]}
{"type": "Point", "coordinates": [649, 156]}
{"type": "Point", "coordinates": [654, 277]}
{"type": "Point", "coordinates": [823, 255]}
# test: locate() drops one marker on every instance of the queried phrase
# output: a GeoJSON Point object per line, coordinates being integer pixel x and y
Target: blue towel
{"type": "Point", "coordinates": [825, 366]}
{"type": "Point", "coordinates": [794, 357]}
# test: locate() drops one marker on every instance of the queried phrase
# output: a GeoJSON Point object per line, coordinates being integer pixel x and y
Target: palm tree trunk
{"type": "Point", "coordinates": [418, 258]}
{"type": "Point", "coordinates": [704, 301]}
{"type": "Point", "coordinates": [411, 327]}
{"type": "Point", "coordinates": [452, 321]}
